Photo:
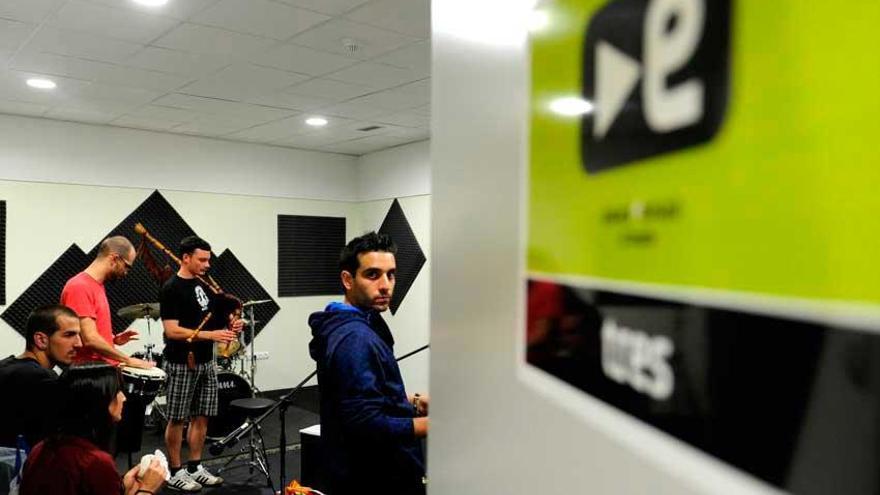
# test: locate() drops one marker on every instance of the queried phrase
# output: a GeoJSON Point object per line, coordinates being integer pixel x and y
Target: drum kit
{"type": "Point", "coordinates": [148, 385]}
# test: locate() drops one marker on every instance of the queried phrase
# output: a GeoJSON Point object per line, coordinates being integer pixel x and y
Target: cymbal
{"type": "Point", "coordinates": [141, 310]}
{"type": "Point", "coordinates": [253, 303]}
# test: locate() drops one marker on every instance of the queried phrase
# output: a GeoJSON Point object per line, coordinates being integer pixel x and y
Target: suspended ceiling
{"type": "Point", "coordinates": [243, 70]}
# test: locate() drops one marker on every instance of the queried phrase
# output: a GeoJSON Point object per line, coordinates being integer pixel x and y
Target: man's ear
{"type": "Point", "coordinates": [41, 341]}
{"type": "Point", "coordinates": [347, 280]}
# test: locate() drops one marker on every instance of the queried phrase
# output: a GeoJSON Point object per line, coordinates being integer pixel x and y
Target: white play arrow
{"type": "Point", "coordinates": [616, 77]}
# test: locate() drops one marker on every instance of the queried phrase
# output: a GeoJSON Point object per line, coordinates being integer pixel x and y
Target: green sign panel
{"type": "Point", "coordinates": [711, 144]}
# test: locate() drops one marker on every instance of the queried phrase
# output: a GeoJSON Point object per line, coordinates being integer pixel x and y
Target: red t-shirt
{"type": "Point", "coordinates": [69, 466]}
{"type": "Point", "coordinates": [87, 297]}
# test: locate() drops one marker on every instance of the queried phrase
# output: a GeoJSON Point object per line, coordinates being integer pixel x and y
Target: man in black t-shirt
{"type": "Point", "coordinates": [185, 302]}
{"type": "Point", "coordinates": [52, 337]}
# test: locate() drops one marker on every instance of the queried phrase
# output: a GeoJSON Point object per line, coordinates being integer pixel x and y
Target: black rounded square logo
{"type": "Point", "coordinates": [657, 75]}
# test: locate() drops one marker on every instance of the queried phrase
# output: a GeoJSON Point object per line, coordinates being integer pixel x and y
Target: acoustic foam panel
{"type": "Point", "coordinates": [308, 255]}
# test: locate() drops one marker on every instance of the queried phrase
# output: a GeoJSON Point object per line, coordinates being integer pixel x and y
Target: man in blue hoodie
{"type": "Point", "coordinates": [370, 428]}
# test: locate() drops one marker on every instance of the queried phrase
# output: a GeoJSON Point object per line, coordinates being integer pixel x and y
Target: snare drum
{"type": "Point", "coordinates": [146, 384]}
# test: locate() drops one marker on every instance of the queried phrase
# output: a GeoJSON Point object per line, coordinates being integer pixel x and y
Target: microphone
{"type": "Point", "coordinates": [219, 446]}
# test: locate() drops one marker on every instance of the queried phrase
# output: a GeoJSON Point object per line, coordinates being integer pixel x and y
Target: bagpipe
{"type": "Point", "coordinates": [224, 307]}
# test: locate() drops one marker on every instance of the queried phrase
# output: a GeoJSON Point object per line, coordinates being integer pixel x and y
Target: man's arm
{"type": "Point", "coordinates": [174, 331]}
{"type": "Point", "coordinates": [359, 380]}
{"type": "Point", "coordinates": [420, 427]}
{"type": "Point", "coordinates": [93, 341]}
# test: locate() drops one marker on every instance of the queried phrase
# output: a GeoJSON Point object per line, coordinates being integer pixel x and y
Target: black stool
{"type": "Point", "coordinates": [252, 408]}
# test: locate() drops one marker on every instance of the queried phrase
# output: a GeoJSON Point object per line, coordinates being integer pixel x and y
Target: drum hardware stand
{"type": "Point", "coordinates": [256, 447]}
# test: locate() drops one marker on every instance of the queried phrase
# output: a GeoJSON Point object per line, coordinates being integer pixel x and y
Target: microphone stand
{"type": "Point", "coordinates": [283, 403]}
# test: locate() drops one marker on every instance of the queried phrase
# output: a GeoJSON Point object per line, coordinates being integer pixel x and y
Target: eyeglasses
{"type": "Point", "coordinates": [128, 266]}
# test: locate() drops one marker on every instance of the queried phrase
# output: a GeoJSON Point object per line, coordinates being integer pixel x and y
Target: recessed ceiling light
{"type": "Point", "coordinates": [571, 106]}
{"type": "Point", "coordinates": [316, 121]}
{"type": "Point", "coordinates": [41, 83]}
{"type": "Point", "coordinates": [538, 20]}
{"type": "Point", "coordinates": [151, 3]}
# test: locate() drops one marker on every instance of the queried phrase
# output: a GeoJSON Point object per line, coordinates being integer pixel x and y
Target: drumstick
{"type": "Point", "coordinates": [199, 328]}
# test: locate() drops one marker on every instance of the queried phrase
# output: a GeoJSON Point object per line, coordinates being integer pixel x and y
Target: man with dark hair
{"type": "Point", "coordinates": [52, 338]}
{"type": "Point", "coordinates": [185, 303]}
{"type": "Point", "coordinates": [370, 427]}
{"type": "Point", "coordinates": [85, 294]}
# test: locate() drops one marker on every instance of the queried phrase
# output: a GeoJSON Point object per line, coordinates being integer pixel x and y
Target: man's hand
{"type": "Point", "coordinates": [139, 363]}
{"type": "Point", "coordinates": [123, 338]}
{"type": "Point", "coordinates": [223, 336]}
{"type": "Point", "coordinates": [235, 324]}
{"type": "Point", "coordinates": [420, 403]}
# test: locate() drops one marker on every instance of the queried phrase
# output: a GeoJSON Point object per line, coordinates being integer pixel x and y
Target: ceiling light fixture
{"type": "Point", "coordinates": [41, 83]}
{"type": "Point", "coordinates": [538, 20]}
{"type": "Point", "coordinates": [571, 106]}
{"type": "Point", "coordinates": [151, 3]}
{"type": "Point", "coordinates": [316, 121]}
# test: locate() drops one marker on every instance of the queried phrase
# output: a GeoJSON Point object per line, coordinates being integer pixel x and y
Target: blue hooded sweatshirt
{"type": "Point", "coordinates": [366, 419]}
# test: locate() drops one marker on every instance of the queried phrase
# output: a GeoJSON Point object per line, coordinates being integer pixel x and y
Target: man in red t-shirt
{"type": "Point", "coordinates": [85, 294]}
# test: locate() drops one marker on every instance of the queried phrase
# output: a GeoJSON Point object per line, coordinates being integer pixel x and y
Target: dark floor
{"type": "Point", "coordinates": [238, 480]}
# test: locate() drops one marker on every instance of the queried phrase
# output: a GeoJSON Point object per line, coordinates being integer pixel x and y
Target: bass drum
{"type": "Point", "coordinates": [229, 387]}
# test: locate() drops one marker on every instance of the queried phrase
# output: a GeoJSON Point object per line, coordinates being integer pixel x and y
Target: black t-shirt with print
{"type": "Point", "coordinates": [188, 301]}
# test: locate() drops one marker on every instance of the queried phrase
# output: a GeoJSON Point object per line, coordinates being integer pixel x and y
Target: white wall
{"type": "Point", "coordinates": [45, 150]}
{"type": "Point", "coordinates": [68, 183]}
{"type": "Point", "coordinates": [396, 172]}
{"type": "Point", "coordinates": [491, 432]}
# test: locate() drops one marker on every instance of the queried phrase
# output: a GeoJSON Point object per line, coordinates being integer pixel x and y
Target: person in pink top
{"type": "Point", "coordinates": [85, 294]}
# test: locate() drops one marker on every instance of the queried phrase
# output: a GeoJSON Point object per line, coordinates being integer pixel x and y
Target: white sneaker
{"type": "Point", "coordinates": [205, 478]}
{"type": "Point", "coordinates": [183, 482]}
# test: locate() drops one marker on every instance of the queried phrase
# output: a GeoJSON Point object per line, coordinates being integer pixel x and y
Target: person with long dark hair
{"type": "Point", "coordinates": [74, 460]}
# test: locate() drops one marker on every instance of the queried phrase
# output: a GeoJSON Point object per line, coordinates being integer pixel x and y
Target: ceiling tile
{"type": "Point", "coordinates": [179, 62]}
{"type": "Point", "coordinates": [110, 22]}
{"type": "Point", "coordinates": [410, 17]}
{"type": "Point", "coordinates": [213, 126]}
{"type": "Point", "coordinates": [13, 34]}
{"type": "Point", "coordinates": [85, 45]}
{"type": "Point", "coordinates": [51, 64]}
{"type": "Point", "coordinates": [303, 60]}
{"type": "Point", "coordinates": [352, 110]}
{"type": "Point", "coordinates": [165, 114]}
{"type": "Point", "coordinates": [424, 111]}
{"type": "Point", "coordinates": [272, 131]}
{"type": "Point", "coordinates": [177, 9]}
{"type": "Point", "coordinates": [401, 98]}
{"type": "Point", "coordinates": [371, 41]}
{"type": "Point", "coordinates": [13, 87]}
{"type": "Point", "coordinates": [404, 119]}
{"type": "Point", "coordinates": [416, 57]}
{"type": "Point", "coordinates": [240, 81]}
{"type": "Point", "coordinates": [22, 108]}
{"type": "Point", "coordinates": [326, 88]}
{"type": "Point", "coordinates": [280, 99]}
{"type": "Point", "coordinates": [120, 94]}
{"type": "Point", "coordinates": [80, 115]}
{"type": "Point", "coordinates": [332, 7]}
{"type": "Point", "coordinates": [205, 39]}
{"type": "Point", "coordinates": [144, 123]}
{"type": "Point", "coordinates": [214, 106]}
{"type": "Point", "coordinates": [307, 141]}
{"type": "Point", "coordinates": [259, 17]}
{"type": "Point", "coordinates": [28, 10]}
{"type": "Point", "coordinates": [377, 76]}
{"type": "Point", "coordinates": [364, 145]}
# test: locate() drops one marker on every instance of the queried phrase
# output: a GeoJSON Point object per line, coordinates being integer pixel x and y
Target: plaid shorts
{"type": "Point", "coordinates": [191, 392]}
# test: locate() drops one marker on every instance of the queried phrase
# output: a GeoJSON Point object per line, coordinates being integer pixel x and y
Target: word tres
{"type": "Point", "coordinates": [635, 358]}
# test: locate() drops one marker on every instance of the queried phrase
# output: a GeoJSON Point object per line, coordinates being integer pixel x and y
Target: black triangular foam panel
{"type": "Point", "coordinates": [410, 257]}
{"type": "Point", "coordinates": [47, 288]}
{"type": "Point", "coordinates": [165, 224]}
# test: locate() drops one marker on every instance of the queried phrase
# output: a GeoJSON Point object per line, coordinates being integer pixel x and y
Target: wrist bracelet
{"type": "Point", "coordinates": [415, 403]}
{"type": "Point", "coordinates": [144, 491]}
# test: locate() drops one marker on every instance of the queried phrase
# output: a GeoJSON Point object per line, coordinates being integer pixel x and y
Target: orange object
{"type": "Point", "coordinates": [294, 488]}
